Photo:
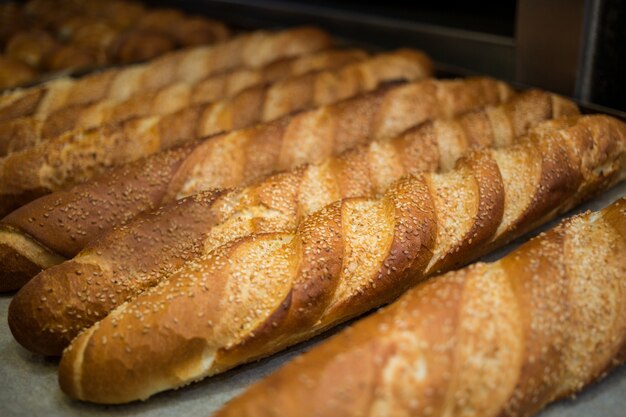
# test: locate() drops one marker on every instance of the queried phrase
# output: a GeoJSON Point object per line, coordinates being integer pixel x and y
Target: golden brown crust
{"type": "Point", "coordinates": [118, 196]}
{"type": "Point", "coordinates": [31, 47]}
{"type": "Point", "coordinates": [137, 45]}
{"type": "Point", "coordinates": [214, 305]}
{"type": "Point", "coordinates": [184, 30]}
{"type": "Point", "coordinates": [275, 204]}
{"type": "Point", "coordinates": [284, 140]}
{"type": "Point", "coordinates": [72, 36]}
{"type": "Point", "coordinates": [75, 157]}
{"type": "Point", "coordinates": [24, 132]}
{"type": "Point", "coordinates": [505, 338]}
{"type": "Point", "coordinates": [249, 50]}
{"type": "Point", "coordinates": [14, 73]}
{"type": "Point", "coordinates": [19, 269]}
{"type": "Point", "coordinates": [163, 243]}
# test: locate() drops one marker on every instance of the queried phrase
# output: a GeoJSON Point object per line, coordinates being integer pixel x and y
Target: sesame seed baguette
{"type": "Point", "coordinates": [24, 132]}
{"type": "Point", "coordinates": [76, 41]}
{"type": "Point", "coordinates": [65, 221]}
{"type": "Point", "coordinates": [120, 265]}
{"type": "Point", "coordinates": [498, 339]}
{"type": "Point", "coordinates": [94, 44]}
{"type": "Point", "coordinates": [75, 157]}
{"type": "Point", "coordinates": [259, 294]}
{"type": "Point", "coordinates": [253, 50]}
{"type": "Point", "coordinates": [114, 199]}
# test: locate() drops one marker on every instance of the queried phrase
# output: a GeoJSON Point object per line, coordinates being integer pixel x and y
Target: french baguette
{"type": "Point", "coordinates": [67, 20]}
{"type": "Point", "coordinates": [12, 73]}
{"type": "Point", "coordinates": [253, 50]}
{"type": "Point", "coordinates": [259, 294]}
{"type": "Point", "coordinates": [76, 157]}
{"type": "Point", "coordinates": [499, 339]}
{"type": "Point", "coordinates": [68, 37]}
{"type": "Point", "coordinates": [185, 30]}
{"type": "Point", "coordinates": [139, 255]}
{"type": "Point", "coordinates": [30, 46]}
{"type": "Point", "coordinates": [64, 222]}
{"type": "Point", "coordinates": [24, 132]}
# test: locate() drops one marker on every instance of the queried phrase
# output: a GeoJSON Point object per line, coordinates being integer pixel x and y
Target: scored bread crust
{"type": "Point", "coordinates": [73, 40]}
{"type": "Point", "coordinates": [247, 155]}
{"type": "Point", "coordinates": [504, 338]}
{"type": "Point", "coordinates": [253, 49]}
{"type": "Point", "coordinates": [24, 132]}
{"type": "Point", "coordinates": [75, 157]}
{"type": "Point", "coordinates": [141, 254]}
{"type": "Point", "coordinates": [259, 294]}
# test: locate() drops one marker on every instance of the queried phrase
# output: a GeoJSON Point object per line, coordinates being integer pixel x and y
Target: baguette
{"type": "Point", "coordinates": [12, 73]}
{"type": "Point", "coordinates": [31, 47]}
{"type": "Point", "coordinates": [24, 132]}
{"type": "Point", "coordinates": [259, 294]}
{"type": "Point", "coordinates": [74, 39]}
{"type": "Point", "coordinates": [180, 29]}
{"type": "Point", "coordinates": [76, 157]}
{"type": "Point", "coordinates": [184, 30]}
{"type": "Point", "coordinates": [499, 339]}
{"type": "Point", "coordinates": [248, 50]}
{"type": "Point", "coordinates": [139, 255]}
{"type": "Point", "coordinates": [64, 222]}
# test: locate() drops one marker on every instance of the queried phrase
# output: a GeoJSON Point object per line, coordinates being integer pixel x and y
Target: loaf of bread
{"type": "Point", "coordinates": [499, 339]}
{"type": "Point", "coordinates": [184, 30]}
{"type": "Point", "coordinates": [150, 248]}
{"type": "Point", "coordinates": [115, 198]}
{"type": "Point", "coordinates": [64, 222]}
{"type": "Point", "coordinates": [179, 29]}
{"type": "Point", "coordinates": [67, 36]}
{"type": "Point", "coordinates": [13, 72]}
{"type": "Point", "coordinates": [259, 294]}
{"type": "Point", "coordinates": [75, 157]}
{"type": "Point", "coordinates": [253, 50]}
{"type": "Point", "coordinates": [23, 132]}
{"type": "Point", "coordinates": [31, 47]}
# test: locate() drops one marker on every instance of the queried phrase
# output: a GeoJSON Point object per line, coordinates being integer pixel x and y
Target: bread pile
{"type": "Point", "coordinates": [48, 36]}
{"type": "Point", "coordinates": [171, 220]}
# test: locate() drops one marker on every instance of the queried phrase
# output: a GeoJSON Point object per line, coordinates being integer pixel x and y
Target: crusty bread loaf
{"type": "Point", "coordinates": [150, 248]}
{"type": "Point", "coordinates": [184, 30]}
{"type": "Point", "coordinates": [75, 157]}
{"type": "Point", "coordinates": [65, 36]}
{"type": "Point", "coordinates": [115, 198]}
{"type": "Point", "coordinates": [499, 339]}
{"type": "Point", "coordinates": [247, 50]}
{"type": "Point", "coordinates": [259, 294]}
{"type": "Point", "coordinates": [24, 132]}
{"type": "Point", "coordinates": [12, 73]}
{"type": "Point", "coordinates": [64, 222]}
{"type": "Point", "coordinates": [31, 47]}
